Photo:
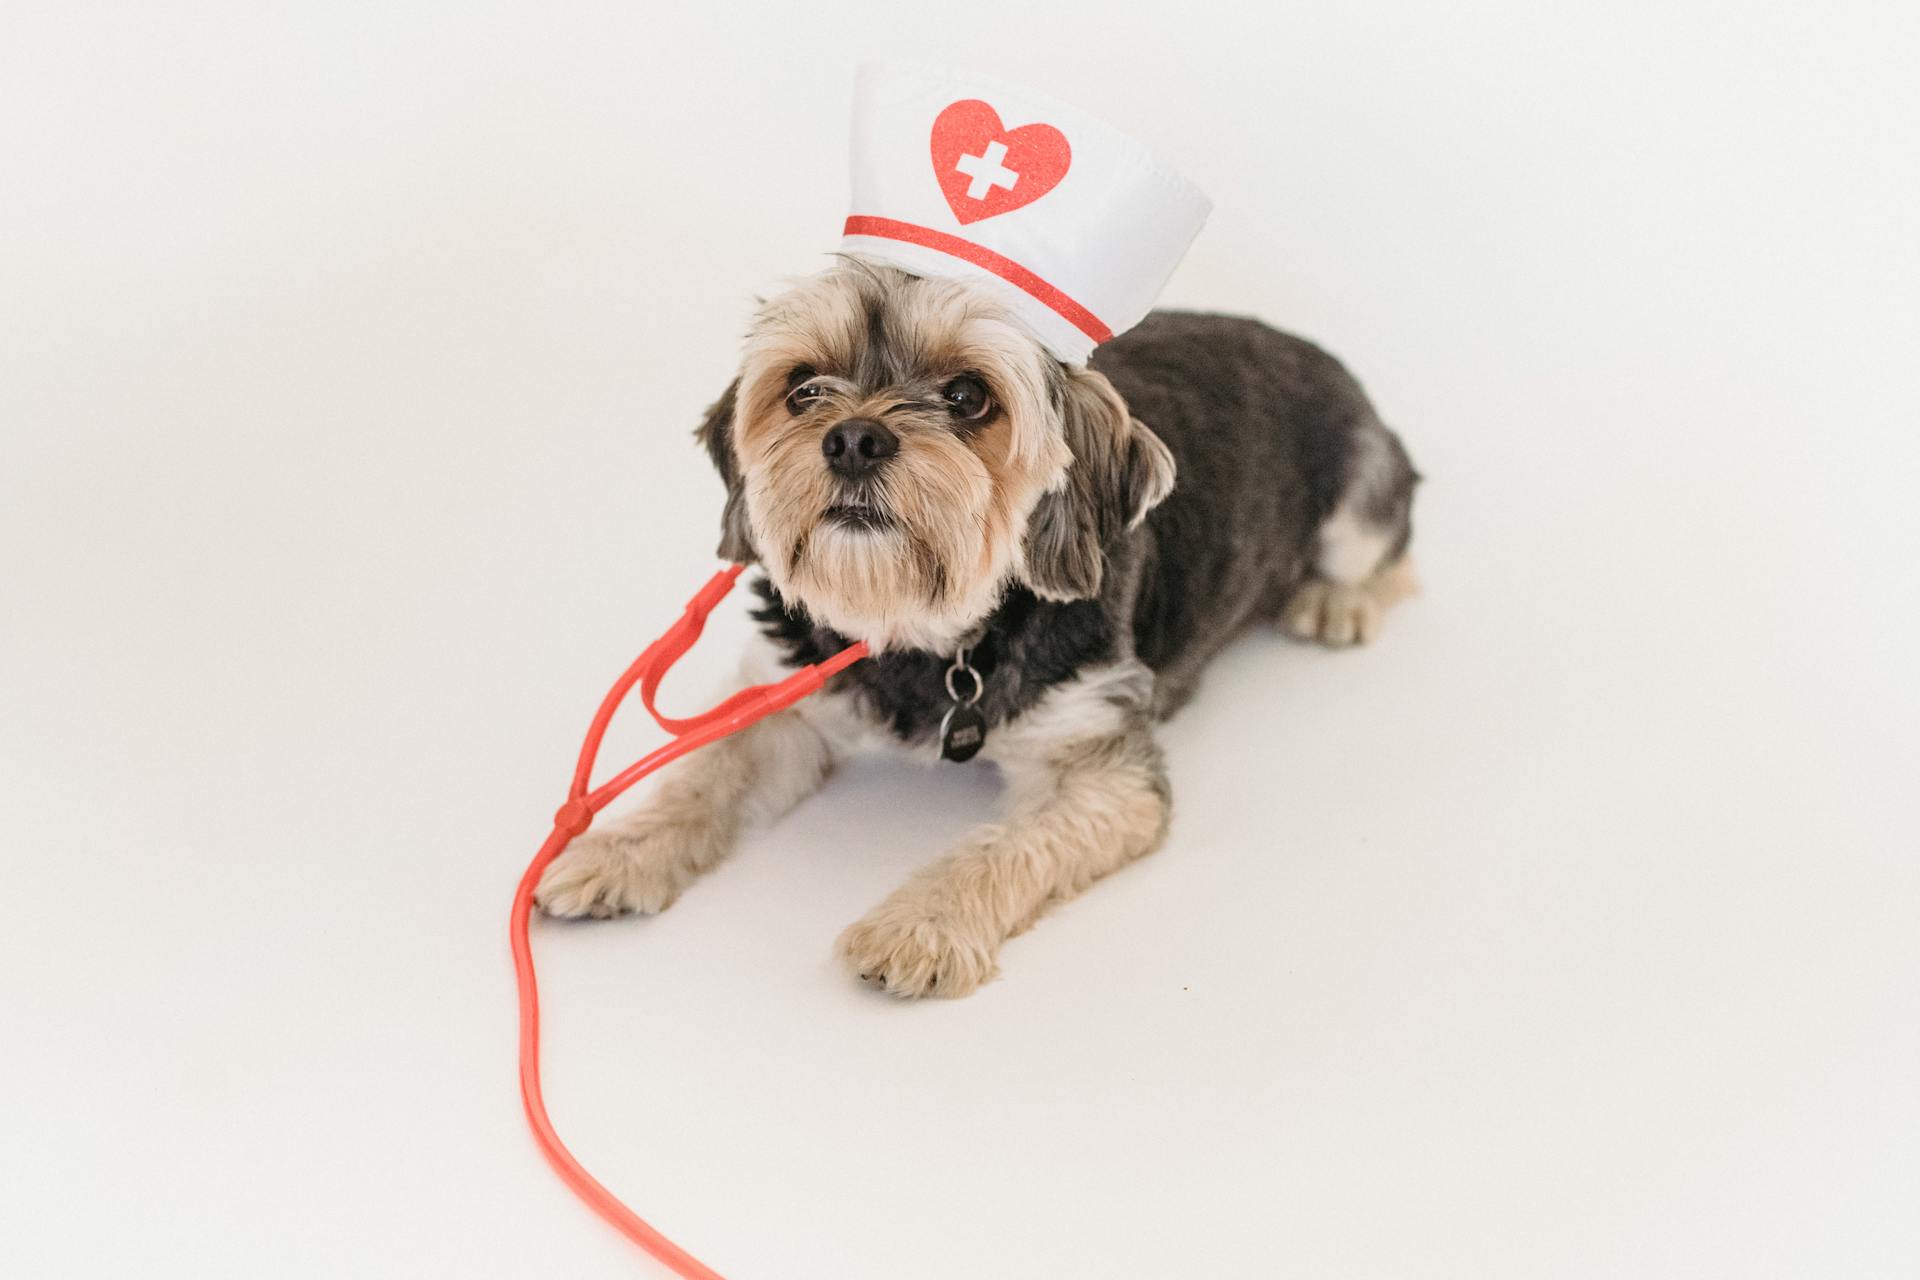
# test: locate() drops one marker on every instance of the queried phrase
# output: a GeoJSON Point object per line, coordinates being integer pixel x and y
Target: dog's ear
{"type": "Point", "coordinates": [1120, 471]}
{"type": "Point", "coordinates": [716, 433]}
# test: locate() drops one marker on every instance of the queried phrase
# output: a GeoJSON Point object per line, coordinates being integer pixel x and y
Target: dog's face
{"type": "Point", "coordinates": [897, 450]}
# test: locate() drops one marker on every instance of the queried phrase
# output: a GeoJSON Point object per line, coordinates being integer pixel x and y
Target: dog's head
{"type": "Point", "coordinates": [898, 450]}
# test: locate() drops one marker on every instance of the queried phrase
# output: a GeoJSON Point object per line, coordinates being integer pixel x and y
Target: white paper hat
{"type": "Point", "coordinates": [957, 175]}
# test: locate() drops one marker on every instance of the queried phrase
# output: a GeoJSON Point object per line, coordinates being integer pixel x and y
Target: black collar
{"type": "Point", "coordinates": [1024, 647]}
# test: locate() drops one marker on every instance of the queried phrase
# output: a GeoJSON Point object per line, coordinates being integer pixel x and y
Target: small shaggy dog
{"type": "Point", "coordinates": [1042, 557]}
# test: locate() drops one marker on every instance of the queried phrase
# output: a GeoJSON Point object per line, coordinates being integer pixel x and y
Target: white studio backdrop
{"type": "Point", "coordinates": [348, 356]}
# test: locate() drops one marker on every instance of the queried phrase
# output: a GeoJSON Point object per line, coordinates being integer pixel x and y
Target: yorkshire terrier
{"type": "Point", "coordinates": [1043, 557]}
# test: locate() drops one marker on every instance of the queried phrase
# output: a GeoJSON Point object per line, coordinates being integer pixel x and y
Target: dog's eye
{"type": "Point", "coordinates": [967, 398]}
{"type": "Point", "coordinates": [801, 398]}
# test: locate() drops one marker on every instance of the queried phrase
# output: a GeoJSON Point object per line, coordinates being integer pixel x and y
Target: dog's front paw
{"type": "Point", "coordinates": [912, 946]}
{"type": "Point", "coordinates": [616, 873]}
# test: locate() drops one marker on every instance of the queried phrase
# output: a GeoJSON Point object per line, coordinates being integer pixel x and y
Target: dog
{"type": "Point", "coordinates": [1051, 552]}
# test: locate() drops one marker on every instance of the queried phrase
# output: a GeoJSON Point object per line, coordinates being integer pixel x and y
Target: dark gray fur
{"type": "Point", "coordinates": [1266, 430]}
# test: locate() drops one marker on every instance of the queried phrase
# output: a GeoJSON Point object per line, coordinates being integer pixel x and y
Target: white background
{"type": "Point", "coordinates": [348, 354]}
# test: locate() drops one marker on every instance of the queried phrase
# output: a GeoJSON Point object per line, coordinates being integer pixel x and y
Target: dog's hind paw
{"type": "Point", "coordinates": [1332, 614]}
{"type": "Point", "coordinates": [1337, 614]}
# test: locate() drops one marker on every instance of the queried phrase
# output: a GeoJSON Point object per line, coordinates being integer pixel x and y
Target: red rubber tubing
{"type": "Point", "coordinates": [574, 817]}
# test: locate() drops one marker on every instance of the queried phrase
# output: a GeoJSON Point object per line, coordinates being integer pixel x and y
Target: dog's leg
{"type": "Point", "coordinates": [1360, 564]}
{"type": "Point", "coordinates": [641, 862]}
{"type": "Point", "coordinates": [1337, 612]}
{"type": "Point", "coordinates": [1087, 794]}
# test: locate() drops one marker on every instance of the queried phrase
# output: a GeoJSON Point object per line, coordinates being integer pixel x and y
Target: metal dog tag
{"type": "Point", "coordinates": [963, 730]}
{"type": "Point", "coordinates": [962, 733]}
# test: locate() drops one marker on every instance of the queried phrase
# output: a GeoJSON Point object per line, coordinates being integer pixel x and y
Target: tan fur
{"type": "Point", "coordinates": [962, 503]}
{"type": "Point", "coordinates": [1080, 805]}
{"type": "Point", "coordinates": [1338, 613]}
{"type": "Point", "coordinates": [641, 863]}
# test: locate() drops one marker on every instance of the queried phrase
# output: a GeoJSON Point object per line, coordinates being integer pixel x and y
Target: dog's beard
{"type": "Point", "coordinates": [911, 558]}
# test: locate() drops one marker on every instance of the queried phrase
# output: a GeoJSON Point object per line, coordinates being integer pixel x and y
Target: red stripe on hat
{"type": "Point", "coordinates": [967, 251]}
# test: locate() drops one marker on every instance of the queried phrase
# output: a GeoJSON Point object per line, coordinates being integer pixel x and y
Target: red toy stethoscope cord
{"type": "Point", "coordinates": [692, 733]}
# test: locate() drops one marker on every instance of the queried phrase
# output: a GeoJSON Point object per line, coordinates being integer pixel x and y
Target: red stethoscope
{"type": "Point", "coordinates": [690, 734]}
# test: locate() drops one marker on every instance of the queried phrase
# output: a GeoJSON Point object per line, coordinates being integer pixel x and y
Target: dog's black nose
{"type": "Point", "coordinates": [858, 445]}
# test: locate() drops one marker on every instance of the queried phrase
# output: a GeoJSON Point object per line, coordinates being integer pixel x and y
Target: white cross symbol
{"type": "Point", "coordinates": [986, 171]}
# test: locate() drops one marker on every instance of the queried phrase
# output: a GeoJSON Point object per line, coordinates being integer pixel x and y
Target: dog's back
{"type": "Point", "coordinates": [1291, 494]}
